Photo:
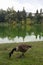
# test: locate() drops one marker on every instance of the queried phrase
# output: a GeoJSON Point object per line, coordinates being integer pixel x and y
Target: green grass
{"type": "Point", "coordinates": [34, 56]}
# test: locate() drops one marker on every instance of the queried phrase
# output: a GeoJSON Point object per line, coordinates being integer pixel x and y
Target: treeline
{"type": "Point", "coordinates": [10, 15]}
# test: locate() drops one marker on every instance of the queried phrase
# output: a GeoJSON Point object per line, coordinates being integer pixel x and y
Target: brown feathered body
{"type": "Point", "coordinates": [22, 48]}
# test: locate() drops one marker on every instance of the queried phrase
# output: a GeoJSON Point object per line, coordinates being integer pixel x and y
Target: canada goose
{"type": "Point", "coordinates": [22, 48]}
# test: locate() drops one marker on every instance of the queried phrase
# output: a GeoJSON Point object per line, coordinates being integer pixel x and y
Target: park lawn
{"type": "Point", "coordinates": [33, 56]}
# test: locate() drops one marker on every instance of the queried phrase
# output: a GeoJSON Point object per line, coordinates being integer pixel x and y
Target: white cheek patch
{"type": "Point", "coordinates": [16, 48]}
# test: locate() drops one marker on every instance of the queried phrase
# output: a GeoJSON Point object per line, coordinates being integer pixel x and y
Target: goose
{"type": "Point", "coordinates": [22, 48]}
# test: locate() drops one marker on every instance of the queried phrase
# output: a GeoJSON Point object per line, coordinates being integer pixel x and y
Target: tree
{"type": "Point", "coordinates": [37, 17]}
{"type": "Point", "coordinates": [36, 13]}
{"type": "Point", "coordinates": [2, 15]}
{"type": "Point", "coordinates": [24, 15]}
{"type": "Point", "coordinates": [30, 15]}
{"type": "Point", "coordinates": [40, 11]}
{"type": "Point", "coordinates": [10, 15]}
{"type": "Point", "coordinates": [18, 17]}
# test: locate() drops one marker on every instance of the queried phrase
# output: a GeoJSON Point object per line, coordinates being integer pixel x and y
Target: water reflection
{"type": "Point", "coordinates": [27, 38]}
{"type": "Point", "coordinates": [21, 30]}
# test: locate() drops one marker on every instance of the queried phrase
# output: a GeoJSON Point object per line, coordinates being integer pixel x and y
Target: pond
{"type": "Point", "coordinates": [27, 38]}
{"type": "Point", "coordinates": [21, 33]}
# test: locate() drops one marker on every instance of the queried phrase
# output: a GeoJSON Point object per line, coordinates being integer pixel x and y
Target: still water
{"type": "Point", "coordinates": [27, 38]}
{"type": "Point", "coordinates": [21, 33]}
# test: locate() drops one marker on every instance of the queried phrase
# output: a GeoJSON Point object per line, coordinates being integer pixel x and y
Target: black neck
{"type": "Point", "coordinates": [14, 49]}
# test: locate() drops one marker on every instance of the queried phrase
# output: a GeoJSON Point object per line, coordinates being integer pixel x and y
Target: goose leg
{"type": "Point", "coordinates": [22, 55]}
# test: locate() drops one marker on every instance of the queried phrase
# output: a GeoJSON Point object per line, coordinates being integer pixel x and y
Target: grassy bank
{"type": "Point", "coordinates": [34, 56]}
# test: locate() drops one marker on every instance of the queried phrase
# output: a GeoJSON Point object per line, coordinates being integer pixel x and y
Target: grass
{"type": "Point", "coordinates": [34, 56]}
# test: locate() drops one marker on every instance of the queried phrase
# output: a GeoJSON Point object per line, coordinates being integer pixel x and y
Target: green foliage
{"type": "Point", "coordinates": [2, 15]}
{"type": "Point", "coordinates": [38, 17]}
{"type": "Point", "coordinates": [18, 24]}
{"type": "Point", "coordinates": [10, 15]}
{"type": "Point", "coordinates": [30, 15]}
